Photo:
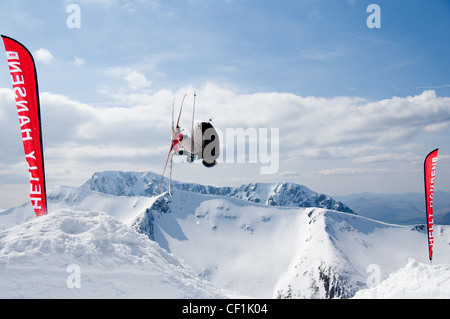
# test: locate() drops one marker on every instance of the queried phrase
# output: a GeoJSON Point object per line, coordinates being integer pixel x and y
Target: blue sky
{"type": "Point", "coordinates": [320, 48]}
{"type": "Point", "coordinates": [357, 108]}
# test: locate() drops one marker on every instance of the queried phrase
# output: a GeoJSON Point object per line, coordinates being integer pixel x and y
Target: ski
{"type": "Point", "coordinates": [170, 175]}
{"type": "Point", "coordinates": [192, 130]}
{"type": "Point", "coordinates": [172, 143]}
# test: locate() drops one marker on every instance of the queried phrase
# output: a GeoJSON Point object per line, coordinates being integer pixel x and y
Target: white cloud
{"type": "Point", "coordinates": [314, 123]}
{"type": "Point", "coordinates": [103, 2]}
{"type": "Point", "coordinates": [135, 79]}
{"type": "Point", "coordinates": [130, 6]}
{"type": "Point", "coordinates": [350, 171]}
{"type": "Point", "coordinates": [44, 56]}
{"type": "Point", "coordinates": [386, 157]}
{"type": "Point", "coordinates": [311, 127]}
{"type": "Point", "coordinates": [321, 54]}
{"type": "Point", "coordinates": [78, 61]}
{"type": "Point", "coordinates": [396, 119]}
{"type": "Point", "coordinates": [436, 127]}
{"type": "Point", "coordinates": [322, 137]}
{"type": "Point", "coordinates": [347, 151]}
{"type": "Point", "coordinates": [434, 87]}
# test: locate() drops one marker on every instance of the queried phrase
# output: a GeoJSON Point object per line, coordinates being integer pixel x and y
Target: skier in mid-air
{"type": "Point", "coordinates": [203, 144]}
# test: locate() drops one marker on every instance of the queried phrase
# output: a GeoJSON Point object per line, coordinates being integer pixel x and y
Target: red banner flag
{"type": "Point", "coordinates": [25, 88]}
{"type": "Point", "coordinates": [430, 177]}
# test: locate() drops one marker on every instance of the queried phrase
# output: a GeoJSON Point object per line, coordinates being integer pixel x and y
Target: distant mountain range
{"type": "Point", "coordinates": [272, 194]}
{"type": "Point", "coordinates": [402, 209]}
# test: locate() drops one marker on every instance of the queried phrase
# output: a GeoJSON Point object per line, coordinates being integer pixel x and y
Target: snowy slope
{"type": "Point", "coordinates": [415, 280]}
{"type": "Point", "coordinates": [42, 259]}
{"type": "Point", "coordinates": [124, 209]}
{"type": "Point", "coordinates": [234, 243]}
{"type": "Point", "coordinates": [271, 252]}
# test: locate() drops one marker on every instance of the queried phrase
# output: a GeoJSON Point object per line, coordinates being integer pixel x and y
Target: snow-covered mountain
{"type": "Point", "coordinates": [78, 254]}
{"type": "Point", "coordinates": [274, 252]}
{"type": "Point", "coordinates": [273, 194]}
{"type": "Point", "coordinates": [203, 242]}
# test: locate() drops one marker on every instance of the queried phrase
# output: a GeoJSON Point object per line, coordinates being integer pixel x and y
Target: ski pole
{"type": "Point", "coordinates": [192, 131]}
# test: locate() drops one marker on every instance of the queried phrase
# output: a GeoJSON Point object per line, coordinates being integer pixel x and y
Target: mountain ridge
{"type": "Point", "coordinates": [273, 194]}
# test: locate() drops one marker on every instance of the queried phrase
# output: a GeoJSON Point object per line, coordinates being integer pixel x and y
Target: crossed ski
{"type": "Point", "coordinates": [172, 143]}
